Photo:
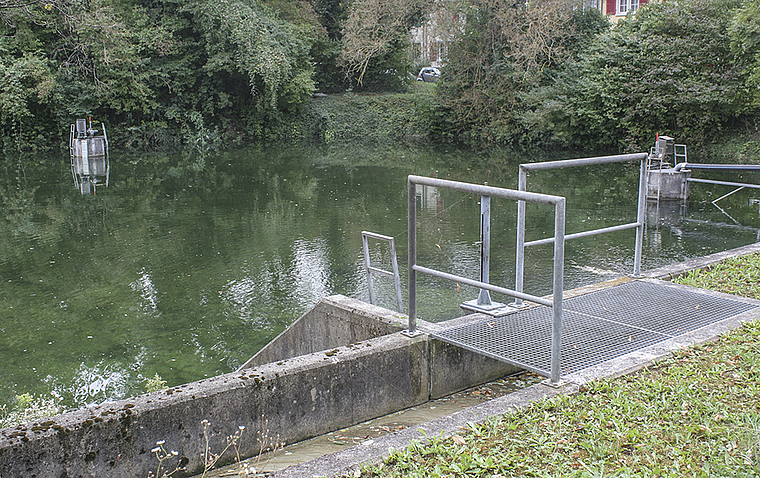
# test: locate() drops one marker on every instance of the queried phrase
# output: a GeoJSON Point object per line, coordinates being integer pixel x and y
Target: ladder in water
{"type": "Point", "coordinates": [374, 270]}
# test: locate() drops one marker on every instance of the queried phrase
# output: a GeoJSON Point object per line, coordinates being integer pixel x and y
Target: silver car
{"type": "Point", "coordinates": [429, 74]}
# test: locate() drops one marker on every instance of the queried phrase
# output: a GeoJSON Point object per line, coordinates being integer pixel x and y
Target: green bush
{"type": "Point", "coordinates": [669, 69]}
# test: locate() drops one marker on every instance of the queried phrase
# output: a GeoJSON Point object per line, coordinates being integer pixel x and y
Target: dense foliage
{"type": "Point", "coordinates": [505, 55]}
{"type": "Point", "coordinates": [546, 73]}
{"type": "Point", "coordinates": [205, 73]}
{"type": "Point", "coordinates": [669, 69]}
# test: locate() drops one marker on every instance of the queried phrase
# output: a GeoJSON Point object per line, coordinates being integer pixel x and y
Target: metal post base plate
{"type": "Point", "coordinates": [494, 309]}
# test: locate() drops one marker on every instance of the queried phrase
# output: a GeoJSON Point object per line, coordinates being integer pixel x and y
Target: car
{"type": "Point", "coordinates": [429, 74]}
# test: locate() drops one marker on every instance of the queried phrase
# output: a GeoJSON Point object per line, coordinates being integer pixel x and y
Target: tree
{"type": "Point", "coordinates": [504, 55]}
{"type": "Point", "coordinates": [745, 43]}
{"type": "Point", "coordinates": [377, 31]}
{"type": "Point", "coordinates": [668, 69]}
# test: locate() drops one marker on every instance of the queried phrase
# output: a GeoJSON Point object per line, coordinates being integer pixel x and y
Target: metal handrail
{"type": "Point", "coordinates": [571, 163]}
{"type": "Point", "coordinates": [488, 191]}
{"type": "Point", "coordinates": [374, 270]}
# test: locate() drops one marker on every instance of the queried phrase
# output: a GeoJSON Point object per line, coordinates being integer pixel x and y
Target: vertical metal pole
{"type": "Point", "coordinates": [412, 238]}
{"type": "Point", "coordinates": [484, 297]}
{"type": "Point", "coordinates": [365, 246]}
{"type": "Point", "coordinates": [559, 265]}
{"type": "Point", "coordinates": [640, 218]}
{"type": "Point", "coordinates": [520, 248]}
{"type": "Point", "coordinates": [396, 277]}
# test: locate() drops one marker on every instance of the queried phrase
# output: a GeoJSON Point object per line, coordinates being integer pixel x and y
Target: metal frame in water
{"type": "Point", "coordinates": [375, 270]}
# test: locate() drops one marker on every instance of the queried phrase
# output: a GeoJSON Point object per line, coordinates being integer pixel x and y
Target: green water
{"type": "Point", "coordinates": [186, 266]}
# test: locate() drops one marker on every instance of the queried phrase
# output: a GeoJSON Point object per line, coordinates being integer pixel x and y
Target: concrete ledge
{"type": "Point", "coordinates": [280, 402]}
{"type": "Point", "coordinates": [672, 271]}
{"type": "Point", "coordinates": [348, 460]}
{"type": "Point", "coordinates": [290, 401]}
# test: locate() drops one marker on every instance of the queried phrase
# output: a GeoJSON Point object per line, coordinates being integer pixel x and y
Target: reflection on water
{"type": "Point", "coordinates": [186, 268]}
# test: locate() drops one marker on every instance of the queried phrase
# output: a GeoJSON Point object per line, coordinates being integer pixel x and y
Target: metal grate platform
{"type": "Point", "coordinates": [597, 326]}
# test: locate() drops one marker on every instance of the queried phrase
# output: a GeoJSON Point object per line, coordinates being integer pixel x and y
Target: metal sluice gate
{"type": "Point", "coordinates": [596, 327]}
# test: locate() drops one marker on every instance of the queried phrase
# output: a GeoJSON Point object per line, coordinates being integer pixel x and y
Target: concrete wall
{"type": "Point", "coordinates": [334, 321]}
{"type": "Point", "coordinates": [287, 401]}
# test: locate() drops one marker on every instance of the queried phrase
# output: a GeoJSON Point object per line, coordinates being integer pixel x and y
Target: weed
{"type": "Point", "coordinates": [29, 408]}
{"type": "Point", "coordinates": [210, 458]}
{"type": "Point", "coordinates": [155, 384]}
{"type": "Point", "coordinates": [162, 455]}
{"type": "Point", "coordinates": [268, 447]}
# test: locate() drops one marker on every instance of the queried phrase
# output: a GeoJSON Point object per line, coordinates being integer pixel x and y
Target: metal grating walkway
{"type": "Point", "coordinates": [597, 326]}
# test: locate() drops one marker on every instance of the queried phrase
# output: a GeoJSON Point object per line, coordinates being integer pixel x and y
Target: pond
{"type": "Point", "coordinates": [186, 266]}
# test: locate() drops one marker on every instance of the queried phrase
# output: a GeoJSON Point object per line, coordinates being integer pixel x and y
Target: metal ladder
{"type": "Point", "coordinates": [374, 270]}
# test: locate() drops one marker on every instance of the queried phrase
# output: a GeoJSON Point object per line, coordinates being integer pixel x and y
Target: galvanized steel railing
{"type": "Point", "coordinates": [374, 270]}
{"type": "Point", "coordinates": [487, 192]}
{"type": "Point", "coordinates": [571, 163]}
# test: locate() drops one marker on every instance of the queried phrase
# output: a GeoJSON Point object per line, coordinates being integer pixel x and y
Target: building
{"type": "Point", "coordinates": [615, 9]}
{"type": "Point", "coordinates": [431, 40]}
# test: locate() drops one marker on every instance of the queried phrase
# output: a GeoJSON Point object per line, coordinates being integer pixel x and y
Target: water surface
{"type": "Point", "coordinates": [186, 266]}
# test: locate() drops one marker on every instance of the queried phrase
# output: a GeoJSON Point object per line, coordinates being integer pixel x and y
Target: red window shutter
{"type": "Point", "coordinates": [642, 2]}
{"type": "Point", "coordinates": [611, 5]}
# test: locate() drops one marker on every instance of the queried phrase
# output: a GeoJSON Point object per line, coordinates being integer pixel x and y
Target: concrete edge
{"type": "Point", "coordinates": [370, 451]}
{"type": "Point", "coordinates": [675, 270]}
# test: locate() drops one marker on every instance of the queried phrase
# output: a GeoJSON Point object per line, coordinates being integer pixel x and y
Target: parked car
{"type": "Point", "coordinates": [429, 74]}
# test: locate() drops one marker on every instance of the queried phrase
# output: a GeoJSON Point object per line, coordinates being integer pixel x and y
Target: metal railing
{"type": "Point", "coordinates": [571, 163]}
{"type": "Point", "coordinates": [487, 192]}
{"type": "Point", "coordinates": [374, 270]}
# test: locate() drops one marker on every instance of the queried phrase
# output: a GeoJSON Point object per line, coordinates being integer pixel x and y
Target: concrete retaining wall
{"type": "Point", "coordinates": [334, 321]}
{"type": "Point", "coordinates": [286, 401]}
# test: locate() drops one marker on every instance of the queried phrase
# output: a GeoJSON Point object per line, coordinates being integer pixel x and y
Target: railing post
{"type": "Point", "coordinates": [484, 297]}
{"type": "Point", "coordinates": [412, 254]}
{"type": "Point", "coordinates": [520, 247]}
{"type": "Point", "coordinates": [640, 213]}
{"type": "Point", "coordinates": [557, 285]}
{"type": "Point", "coordinates": [370, 283]}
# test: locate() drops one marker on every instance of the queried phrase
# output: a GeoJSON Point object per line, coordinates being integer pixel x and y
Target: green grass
{"type": "Point", "coordinates": [737, 275]}
{"type": "Point", "coordinates": [693, 414]}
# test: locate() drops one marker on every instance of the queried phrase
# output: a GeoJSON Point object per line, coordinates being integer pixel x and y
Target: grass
{"type": "Point", "coordinates": [737, 275]}
{"type": "Point", "coordinates": [693, 414]}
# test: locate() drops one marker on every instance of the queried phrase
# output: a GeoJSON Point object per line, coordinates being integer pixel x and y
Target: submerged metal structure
{"type": "Point", "coordinates": [666, 182]}
{"type": "Point", "coordinates": [663, 180]}
{"type": "Point", "coordinates": [88, 147]}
